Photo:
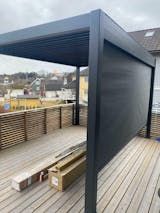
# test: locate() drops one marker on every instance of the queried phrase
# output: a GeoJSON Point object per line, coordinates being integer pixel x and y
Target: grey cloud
{"type": "Point", "coordinates": [130, 14]}
{"type": "Point", "coordinates": [17, 14]}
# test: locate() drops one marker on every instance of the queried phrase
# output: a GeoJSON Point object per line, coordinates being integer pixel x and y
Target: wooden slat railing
{"type": "Point", "coordinates": [83, 115]}
{"type": "Point", "coordinates": [18, 127]}
{"type": "Point", "coordinates": [155, 126]}
{"type": "Point", "coordinates": [155, 123]}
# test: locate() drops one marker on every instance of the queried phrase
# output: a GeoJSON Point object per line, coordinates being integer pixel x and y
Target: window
{"type": "Point", "coordinates": [149, 34]}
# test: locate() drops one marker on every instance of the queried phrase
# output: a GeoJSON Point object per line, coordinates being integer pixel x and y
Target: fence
{"type": "Point", "coordinates": [155, 123]}
{"type": "Point", "coordinates": [18, 127]}
{"type": "Point", "coordinates": [155, 126]}
{"type": "Point", "coordinates": [83, 114]}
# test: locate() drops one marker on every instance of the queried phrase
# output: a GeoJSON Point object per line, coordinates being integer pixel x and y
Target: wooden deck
{"type": "Point", "coordinates": [129, 183]}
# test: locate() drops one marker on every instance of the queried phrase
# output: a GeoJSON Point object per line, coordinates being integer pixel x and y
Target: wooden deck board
{"type": "Point", "coordinates": [128, 183]}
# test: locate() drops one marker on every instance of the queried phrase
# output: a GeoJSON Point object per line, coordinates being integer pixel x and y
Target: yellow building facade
{"type": "Point", "coordinates": [84, 86]}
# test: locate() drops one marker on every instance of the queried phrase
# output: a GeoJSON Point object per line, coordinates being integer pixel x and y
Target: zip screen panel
{"type": "Point", "coordinates": [124, 100]}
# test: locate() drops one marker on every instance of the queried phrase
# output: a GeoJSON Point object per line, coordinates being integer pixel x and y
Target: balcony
{"type": "Point", "coordinates": [128, 183]}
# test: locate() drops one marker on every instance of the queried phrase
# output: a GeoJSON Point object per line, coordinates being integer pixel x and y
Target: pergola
{"type": "Point", "coordinates": [121, 78]}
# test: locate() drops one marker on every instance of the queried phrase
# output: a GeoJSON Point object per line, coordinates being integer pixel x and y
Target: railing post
{"type": "Point", "coordinates": [25, 126]}
{"type": "Point", "coordinates": [77, 95]}
{"type": "Point", "coordinates": [60, 117]}
{"type": "Point", "coordinates": [45, 121]}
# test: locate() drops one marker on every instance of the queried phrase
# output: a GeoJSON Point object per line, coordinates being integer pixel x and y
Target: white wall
{"type": "Point", "coordinates": [156, 98]}
{"type": "Point", "coordinates": [51, 94]}
{"type": "Point", "coordinates": [157, 72]}
{"type": "Point", "coordinates": [16, 92]}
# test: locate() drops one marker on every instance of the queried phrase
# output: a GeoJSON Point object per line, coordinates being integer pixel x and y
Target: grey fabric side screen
{"type": "Point", "coordinates": [124, 100]}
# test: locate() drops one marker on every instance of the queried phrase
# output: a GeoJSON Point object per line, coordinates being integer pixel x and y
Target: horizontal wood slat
{"type": "Point", "coordinates": [155, 127]}
{"type": "Point", "coordinates": [155, 123]}
{"type": "Point", "coordinates": [18, 127]}
{"type": "Point", "coordinates": [83, 115]}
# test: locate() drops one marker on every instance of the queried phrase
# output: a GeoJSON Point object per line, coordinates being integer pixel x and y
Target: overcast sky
{"type": "Point", "coordinates": [16, 14]}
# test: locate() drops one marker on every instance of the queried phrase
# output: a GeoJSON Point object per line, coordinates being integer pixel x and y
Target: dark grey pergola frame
{"type": "Point", "coordinates": [124, 42]}
{"type": "Point", "coordinates": [86, 34]}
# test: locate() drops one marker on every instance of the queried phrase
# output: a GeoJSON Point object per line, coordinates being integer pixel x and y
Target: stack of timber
{"type": "Point", "coordinates": [66, 171]}
{"type": "Point", "coordinates": [38, 171]}
{"type": "Point", "coordinates": [18, 127]}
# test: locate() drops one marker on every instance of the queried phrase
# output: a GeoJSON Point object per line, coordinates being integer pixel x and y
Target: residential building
{"type": "Point", "coordinates": [84, 85]}
{"type": "Point", "coordinates": [69, 91]}
{"type": "Point", "coordinates": [38, 87]}
{"type": "Point", "coordinates": [70, 87]}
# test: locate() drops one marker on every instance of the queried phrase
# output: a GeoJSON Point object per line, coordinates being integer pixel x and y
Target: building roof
{"type": "Point", "coordinates": [27, 97]}
{"type": "Point", "coordinates": [84, 72]}
{"type": "Point", "coordinates": [70, 85]}
{"type": "Point", "coordinates": [53, 85]}
{"type": "Point", "coordinates": [149, 38]}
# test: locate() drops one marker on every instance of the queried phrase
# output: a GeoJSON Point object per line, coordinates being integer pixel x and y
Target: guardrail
{"type": "Point", "coordinates": [155, 123]}
{"type": "Point", "coordinates": [18, 127]}
{"type": "Point", "coordinates": [83, 115]}
{"type": "Point", "coordinates": [155, 126]}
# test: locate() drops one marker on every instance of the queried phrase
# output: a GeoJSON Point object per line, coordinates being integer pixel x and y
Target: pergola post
{"type": "Point", "coordinates": [96, 43]}
{"type": "Point", "coordinates": [149, 119]}
{"type": "Point", "coordinates": [77, 95]}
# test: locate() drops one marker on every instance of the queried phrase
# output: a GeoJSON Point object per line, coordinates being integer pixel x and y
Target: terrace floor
{"type": "Point", "coordinates": [129, 183]}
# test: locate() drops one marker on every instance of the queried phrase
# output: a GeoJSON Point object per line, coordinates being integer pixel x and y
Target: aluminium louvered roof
{"type": "Point", "coordinates": [67, 41]}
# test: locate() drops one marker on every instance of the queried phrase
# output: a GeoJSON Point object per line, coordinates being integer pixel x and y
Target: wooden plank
{"type": "Point", "coordinates": [127, 198]}
{"type": "Point", "coordinates": [61, 148]}
{"type": "Point", "coordinates": [44, 199]}
{"type": "Point", "coordinates": [49, 200]}
{"type": "Point", "coordinates": [155, 204]}
{"type": "Point", "coordinates": [80, 191]}
{"type": "Point", "coordinates": [109, 171]}
{"type": "Point", "coordinates": [138, 196]}
{"type": "Point", "coordinates": [151, 188]}
{"type": "Point", "coordinates": [104, 196]}
{"type": "Point", "coordinates": [63, 132]}
{"type": "Point", "coordinates": [30, 176]}
{"type": "Point", "coordinates": [138, 169]}
{"type": "Point", "coordinates": [59, 137]}
{"type": "Point", "coordinates": [106, 183]}
{"type": "Point", "coordinates": [15, 201]}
